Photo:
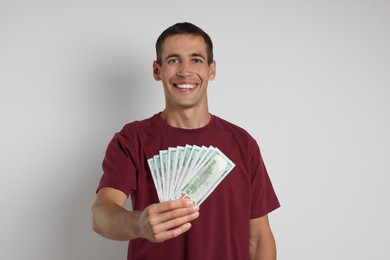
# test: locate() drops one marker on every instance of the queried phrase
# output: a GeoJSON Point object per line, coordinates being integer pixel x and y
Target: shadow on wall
{"type": "Point", "coordinates": [112, 97]}
{"type": "Point", "coordinates": [120, 88]}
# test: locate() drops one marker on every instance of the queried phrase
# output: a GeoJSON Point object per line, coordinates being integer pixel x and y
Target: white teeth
{"type": "Point", "coordinates": [186, 86]}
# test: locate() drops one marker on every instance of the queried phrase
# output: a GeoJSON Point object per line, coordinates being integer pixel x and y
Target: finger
{"type": "Point", "coordinates": [176, 213]}
{"type": "Point", "coordinates": [170, 205]}
{"type": "Point", "coordinates": [174, 223]}
{"type": "Point", "coordinates": [169, 234]}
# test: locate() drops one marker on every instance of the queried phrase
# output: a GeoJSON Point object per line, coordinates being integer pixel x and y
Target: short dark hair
{"type": "Point", "coordinates": [184, 28]}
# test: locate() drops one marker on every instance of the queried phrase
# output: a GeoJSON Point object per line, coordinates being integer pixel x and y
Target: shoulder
{"type": "Point", "coordinates": [138, 126]}
{"type": "Point", "coordinates": [228, 127]}
{"type": "Point", "coordinates": [132, 132]}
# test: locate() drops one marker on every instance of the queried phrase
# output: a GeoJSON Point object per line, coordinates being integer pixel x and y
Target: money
{"type": "Point", "coordinates": [188, 172]}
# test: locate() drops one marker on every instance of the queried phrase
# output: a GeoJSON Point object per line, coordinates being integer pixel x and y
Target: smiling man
{"type": "Point", "coordinates": [185, 71]}
{"type": "Point", "coordinates": [233, 223]}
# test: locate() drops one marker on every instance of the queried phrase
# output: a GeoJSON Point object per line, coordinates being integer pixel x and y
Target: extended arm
{"type": "Point", "coordinates": [261, 243]}
{"type": "Point", "coordinates": [157, 223]}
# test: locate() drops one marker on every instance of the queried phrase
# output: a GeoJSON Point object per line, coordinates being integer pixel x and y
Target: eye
{"type": "Point", "coordinates": [197, 60]}
{"type": "Point", "coordinates": [173, 61]}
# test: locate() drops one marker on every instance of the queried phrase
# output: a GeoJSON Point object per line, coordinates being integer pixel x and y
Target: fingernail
{"type": "Point", "coordinates": [187, 226]}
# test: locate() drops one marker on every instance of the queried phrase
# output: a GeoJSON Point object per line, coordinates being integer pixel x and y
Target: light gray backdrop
{"type": "Point", "coordinates": [310, 80]}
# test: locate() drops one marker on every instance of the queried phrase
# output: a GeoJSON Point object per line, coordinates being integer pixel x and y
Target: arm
{"type": "Point", "coordinates": [261, 243]}
{"type": "Point", "coordinates": [157, 223]}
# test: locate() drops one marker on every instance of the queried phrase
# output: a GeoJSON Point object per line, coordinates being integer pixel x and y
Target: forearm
{"type": "Point", "coordinates": [157, 222]}
{"type": "Point", "coordinates": [115, 222]}
{"type": "Point", "coordinates": [262, 242]}
{"type": "Point", "coordinates": [263, 249]}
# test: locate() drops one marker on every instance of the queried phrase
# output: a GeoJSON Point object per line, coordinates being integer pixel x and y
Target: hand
{"type": "Point", "coordinates": [166, 220]}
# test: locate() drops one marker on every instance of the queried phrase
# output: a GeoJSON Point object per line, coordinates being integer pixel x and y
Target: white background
{"type": "Point", "coordinates": [310, 80]}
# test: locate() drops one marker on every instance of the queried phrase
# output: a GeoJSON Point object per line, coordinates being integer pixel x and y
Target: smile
{"type": "Point", "coordinates": [185, 86]}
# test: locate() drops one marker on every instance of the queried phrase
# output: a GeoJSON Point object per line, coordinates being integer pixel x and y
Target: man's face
{"type": "Point", "coordinates": [184, 71]}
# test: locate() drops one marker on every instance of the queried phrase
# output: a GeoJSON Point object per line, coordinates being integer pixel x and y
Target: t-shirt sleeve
{"type": "Point", "coordinates": [119, 171]}
{"type": "Point", "coordinates": [263, 196]}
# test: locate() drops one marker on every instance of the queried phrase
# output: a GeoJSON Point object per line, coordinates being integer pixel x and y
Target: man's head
{"type": "Point", "coordinates": [182, 29]}
{"type": "Point", "coordinates": [184, 65]}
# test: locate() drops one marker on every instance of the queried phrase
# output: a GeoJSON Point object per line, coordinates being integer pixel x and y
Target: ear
{"type": "Point", "coordinates": [156, 71]}
{"type": "Point", "coordinates": [213, 70]}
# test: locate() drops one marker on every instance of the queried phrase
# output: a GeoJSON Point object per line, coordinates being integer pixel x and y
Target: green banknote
{"type": "Point", "coordinates": [188, 172]}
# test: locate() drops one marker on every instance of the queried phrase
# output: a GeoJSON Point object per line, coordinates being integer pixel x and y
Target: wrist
{"type": "Point", "coordinates": [135, 221]}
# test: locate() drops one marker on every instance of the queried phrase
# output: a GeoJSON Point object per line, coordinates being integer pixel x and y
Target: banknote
{"type": "Point", "coordinates": [181, 172]}
{"type": "Point", "coordinates": [180, 150]}
{"type": "Point", "coordinates": [188, 171]}
{"type": "Point", "coordinates": [206, 178]}
{"type": "Point", "coordinates": [164, 175]}
{"type": "Point", "coordinates": [170, 169]}
{"type": "Point", "coordinates": [154, 165]}
{"type": "Point", "coordinates": [153, 171]}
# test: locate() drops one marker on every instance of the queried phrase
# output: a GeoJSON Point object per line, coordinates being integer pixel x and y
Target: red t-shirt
{"type": "Point", "coordinates": [222, 229]}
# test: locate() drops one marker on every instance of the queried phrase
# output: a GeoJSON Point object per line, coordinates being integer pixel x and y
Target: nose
{"type": "Point", "coordinates": [184, 69]}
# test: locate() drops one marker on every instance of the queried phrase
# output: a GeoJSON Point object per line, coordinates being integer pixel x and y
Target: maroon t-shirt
{"type": "Point", "coordinates": [222, 229]}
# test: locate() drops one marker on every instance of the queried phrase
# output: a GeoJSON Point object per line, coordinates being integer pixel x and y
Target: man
{"type": "Point", "coordinates": [233, 222]}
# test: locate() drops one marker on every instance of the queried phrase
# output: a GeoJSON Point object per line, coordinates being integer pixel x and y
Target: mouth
{"type": "Point", "coordinates": [185, 86]}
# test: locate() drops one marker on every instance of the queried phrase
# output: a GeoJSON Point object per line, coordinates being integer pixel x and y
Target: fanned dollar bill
{"type": "Point", "coordinates": [188, 172]}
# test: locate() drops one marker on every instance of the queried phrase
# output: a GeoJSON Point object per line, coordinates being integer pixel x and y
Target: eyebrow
{"type": "Point", "coordinates": [195, 54]}
{"type": "Point", "coordinates": [174, 55]}
{"type": "Point", "coordinates": [198, 55]}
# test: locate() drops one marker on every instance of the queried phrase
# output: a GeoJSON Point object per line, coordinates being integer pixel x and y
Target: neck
{"type": "Point", "coordinates": [186, 118]}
